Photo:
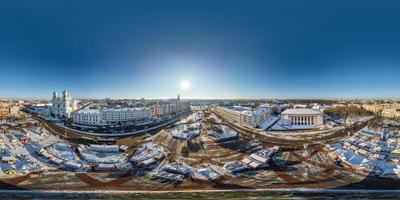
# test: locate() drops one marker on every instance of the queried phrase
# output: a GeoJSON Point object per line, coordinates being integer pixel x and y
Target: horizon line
{"type": "Point", "coordinates": [210, 98]}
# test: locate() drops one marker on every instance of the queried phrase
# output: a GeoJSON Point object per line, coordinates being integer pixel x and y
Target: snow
{"type": "Point", "coordinates": [147, 151]}
{"type": "Point", "coordinates": [266, 124]}
{"type": "Point", "coordinates": [186, 131]}
{"type": "Point", "coordinates": [300, 111]}
{"type": "Point", "coordinates": [208, 173]}
{"type": "Point", "coordinates": [96, 157]}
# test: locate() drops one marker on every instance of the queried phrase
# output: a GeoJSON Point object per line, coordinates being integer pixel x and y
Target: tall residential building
{"type": "Point", "coordinates": [63, 106]}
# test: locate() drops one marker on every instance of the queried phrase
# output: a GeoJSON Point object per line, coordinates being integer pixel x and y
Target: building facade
{"type": "Point", "coordinates": [8, 111]}
{"type": "Point", "coordinates": [86, 117]}
{"type": "Point", "coordinates": [63, 106]}
{"type": "Point", "coordinates": [254, 118]}
{"type": "Point", "coordinates": [110, 116]}
{"type": "Point", "coordinates": [113, 116]}
{"type": "Point", "coordinates": [4, 112]}
{"type": "Point", "coordinates": [42, 110]}
{"type": "Point", "coordinates": [232, 115]}
{"type": "Point", "coordinates": [302, 117]}
{"type": "Point", "coordinates": [391, 112]}
{"type": "Point", "coordinates": [375, 108]}
{"type": "Point", "coordinates": [159, 110]}
{"type": "Point", "coordinates": [243, 116]}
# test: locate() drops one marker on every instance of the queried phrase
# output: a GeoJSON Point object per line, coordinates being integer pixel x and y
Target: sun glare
{"type": "Point", "coordinates": [185, 84]}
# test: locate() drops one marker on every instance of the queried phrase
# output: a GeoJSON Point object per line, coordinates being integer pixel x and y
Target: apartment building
{"type": "Point", "coordinates": [164, 109]}
{"type": "Point", "coordinates": [110, 116]}
{"type": "Point", "coordinates": [391, 112]}
{"type": "Point", "coordinates": [244, 116]}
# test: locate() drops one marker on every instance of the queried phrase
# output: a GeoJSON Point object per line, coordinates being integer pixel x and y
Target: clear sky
{"type": "Point", "coordinates": [224, 49]}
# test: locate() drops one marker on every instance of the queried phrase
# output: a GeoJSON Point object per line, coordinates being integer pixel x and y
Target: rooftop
{"type": "Point", "coordinates": [248, 111]}
{"type": "Point", "coordinates": [238, 108]}
{"type": "Point", "coordinates": [88, 111]}
{"type": "Point", "coordinates": [123, 109]}
{"type": "Point", "coordinates": [301, 111]}
{"type": "Point", "coordinates": [97, 111]}
{"type": "Point", "coordinates": [255, 112]}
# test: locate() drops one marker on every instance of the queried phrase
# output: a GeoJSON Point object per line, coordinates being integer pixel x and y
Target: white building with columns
{"type": "Point", "coordinates": [301, 118]}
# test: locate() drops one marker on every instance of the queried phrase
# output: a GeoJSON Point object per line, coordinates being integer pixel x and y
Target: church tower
{"type": "Point", "coordinates": [178, 103]}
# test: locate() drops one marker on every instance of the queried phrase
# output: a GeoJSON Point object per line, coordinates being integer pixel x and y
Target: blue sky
{"type": "Point", "coordinates": [225, 49]}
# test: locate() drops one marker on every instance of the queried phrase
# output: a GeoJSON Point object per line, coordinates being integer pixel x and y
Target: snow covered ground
{"type": "Point", "coordinates": [101, 157]}
{"type": "Point", "coordinates": [194, 117]}
{"type": "Point", "coordinates": [186, 131]}
{"type": "Point", "coordinates": [27, 160]}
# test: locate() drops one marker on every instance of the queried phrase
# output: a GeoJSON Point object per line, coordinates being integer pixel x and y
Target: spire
{"type": "Point", "coordinates": [65, 93]}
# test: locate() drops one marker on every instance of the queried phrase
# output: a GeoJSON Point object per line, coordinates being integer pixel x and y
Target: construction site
{"type": "Point", "coordinates": [218, 157]}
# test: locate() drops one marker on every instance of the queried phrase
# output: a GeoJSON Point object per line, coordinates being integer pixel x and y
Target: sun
{"type": "Point", "coordinates": [185, 84]}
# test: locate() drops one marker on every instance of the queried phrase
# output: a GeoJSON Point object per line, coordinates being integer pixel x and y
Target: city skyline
{"type": "Point", "coordinates": [199, 99]}
{"type": "Point", "coordinates": [219, 50]}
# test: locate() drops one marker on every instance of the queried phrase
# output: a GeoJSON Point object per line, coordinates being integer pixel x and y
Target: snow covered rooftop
{"type": "Point", "coordinates": [238, 108]}
{"type": "Point", "coordinates": [88, 111]}
{"type": "Point", "coordinates": [148, 151]}
{"type": "Point", "coordinates": [301, 111]}
{"type": "Point", "coordinates": [255, 112]}
{"type": "Point", "coordinates": [97, 111]}
{"type": "Point", "coordinates": [178, 167]}
{"type": "Point", "coordinates": [124, 109]}
{"type": "Point", "coordinates": [208, 173]}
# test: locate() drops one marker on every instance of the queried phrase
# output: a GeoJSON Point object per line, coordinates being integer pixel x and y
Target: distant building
{"type": "Point", "coordinates": [274, 108]}
{"type": "Point", "coordinates": [110, 116]}
{"type": "Point", "coordinates": [320, 108]}
{"type": "Point", "coordinates": [244, 116]}
{"type": "Point", "coordinates": [390, 112]}
{"type": "Point", "coordinates": [302, 117]}
{"type": "Point", "coordinates": [43, 110]}
{"type": "Point", "coordinates": [4, 112]}
{"type": "Point", "coordinates": [63, 106]}
{"type": "Point", "coordinates": [375, 108]}
{"type": "Point", "coordinates": [8, 111]}
{"type": "Point", "coordinates": [170, 108]}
